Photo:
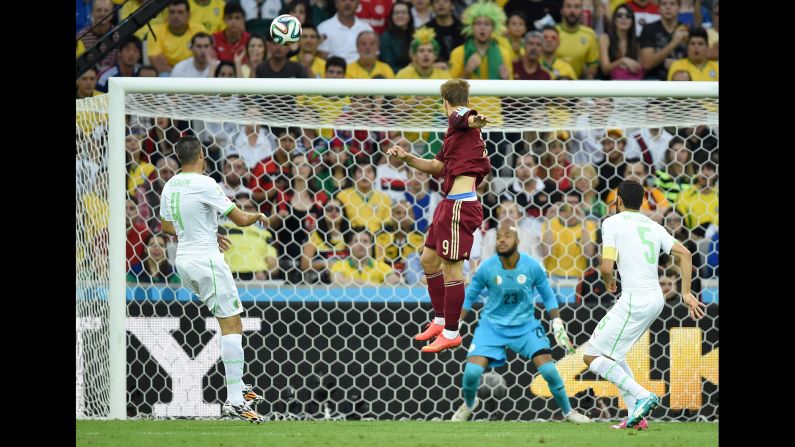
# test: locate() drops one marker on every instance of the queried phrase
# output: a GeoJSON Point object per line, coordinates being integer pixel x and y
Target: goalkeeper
{"type": "Point", "coordinates": [507, 321]}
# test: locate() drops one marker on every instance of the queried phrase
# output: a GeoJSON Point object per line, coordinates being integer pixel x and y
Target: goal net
{"type": "Point", "coordinates": [328, 336]}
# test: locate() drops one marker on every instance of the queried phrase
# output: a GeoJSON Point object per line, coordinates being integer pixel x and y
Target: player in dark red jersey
{"type": "Point", "coordinates": [462, 163]}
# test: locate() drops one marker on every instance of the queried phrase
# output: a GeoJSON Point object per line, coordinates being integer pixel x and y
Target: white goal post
{"type": "Point", "coordinates": [124, 95]}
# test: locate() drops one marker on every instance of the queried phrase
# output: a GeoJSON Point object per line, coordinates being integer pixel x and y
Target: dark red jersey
{"type": "Point", "coordinates": [463, 151]}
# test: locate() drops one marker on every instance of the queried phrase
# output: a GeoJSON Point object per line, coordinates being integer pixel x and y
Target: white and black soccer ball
{"type": "Point", "coordinates": [493, 386]}
{"type": "Point", "coordinates": [285, 29]}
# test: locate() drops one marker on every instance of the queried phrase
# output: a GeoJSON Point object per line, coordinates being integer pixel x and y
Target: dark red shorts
{"type": "Point", "coordinates": [453, 227]}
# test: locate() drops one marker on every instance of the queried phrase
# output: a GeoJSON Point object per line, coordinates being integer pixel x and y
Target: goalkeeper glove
{"type": "Point", "coordinates": [559, 331]}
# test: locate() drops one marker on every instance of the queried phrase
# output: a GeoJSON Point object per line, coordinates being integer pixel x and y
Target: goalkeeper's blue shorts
{"type": "Point", "coordinates": [490, 341]}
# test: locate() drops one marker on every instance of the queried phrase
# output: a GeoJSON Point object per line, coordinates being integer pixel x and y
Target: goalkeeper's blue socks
{"type": "Point", "coordinates": [610, 371]}
{"type": "Point", "coordinates": [550, 373]}
{"type": "Point", "coordinates": [232, 356]}
{"type": "Point", "coordinates": [470, 382]}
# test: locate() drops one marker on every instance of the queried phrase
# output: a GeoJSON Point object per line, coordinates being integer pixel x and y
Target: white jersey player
{"type": "Point", "coordinates": [633, 241]}
{"type": "Point", "coordinates": [189, 209]}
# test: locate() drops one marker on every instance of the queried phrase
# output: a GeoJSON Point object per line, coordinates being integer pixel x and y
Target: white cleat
{"type": "Point", "coordinates": [577, 418]}
{"type": "Point", "coordinates": [464, 412]}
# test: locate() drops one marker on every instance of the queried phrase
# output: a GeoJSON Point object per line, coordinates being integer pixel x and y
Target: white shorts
{"type": "Point", "coordinates": [209, 277]}
{"type": "Point", "coordinates": [624, 324]}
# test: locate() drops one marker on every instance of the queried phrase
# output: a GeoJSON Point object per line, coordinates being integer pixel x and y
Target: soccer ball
{"type": "Point", "coordinates": [285, 29]}
{"type": "Point", "coordinates": [493, 386]}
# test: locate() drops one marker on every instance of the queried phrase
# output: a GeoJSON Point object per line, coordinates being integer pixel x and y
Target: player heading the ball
{"type": "Point", "coordinates": [462, 163]}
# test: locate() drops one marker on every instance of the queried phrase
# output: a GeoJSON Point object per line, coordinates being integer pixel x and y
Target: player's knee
{"type": "Point", "coordinates": [431, 262]}
{"type": "Point", "coordinates": [453, 270]}
{"type": "Point", "coordinates": [472, 373]}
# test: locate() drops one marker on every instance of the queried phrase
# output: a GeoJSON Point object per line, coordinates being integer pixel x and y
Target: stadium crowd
{"type": "Point", "coordinates": [341, 211]}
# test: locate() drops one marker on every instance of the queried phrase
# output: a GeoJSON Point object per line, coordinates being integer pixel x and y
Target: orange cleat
{"type": "Point", "coordinates": [441, 343]}
{"type": "Point", "coordinates": [431, 330]}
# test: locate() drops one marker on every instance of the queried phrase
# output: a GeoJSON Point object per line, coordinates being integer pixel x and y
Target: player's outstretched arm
{"type": "Point", "coordinates": [478, 121]}
{"type": "Point", "coordinates": [695, 308]}
{"type": "Point", "coordinates": [433, 166]}
{"type": "Point", "coordinates": [244, 219]}
{"type": "Point", "coordinates": [541, 284]}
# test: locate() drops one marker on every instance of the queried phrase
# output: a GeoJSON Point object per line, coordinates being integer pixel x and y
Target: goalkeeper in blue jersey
{"type": "Point", "coordinates": [507, 321]}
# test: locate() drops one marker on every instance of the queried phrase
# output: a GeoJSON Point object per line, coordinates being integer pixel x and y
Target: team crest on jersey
{"type": "Point", "coordinates": [379, 9]}
{"type": "Point", "coordinates": [712, 73]}
{"type": "Point", "coordinates": [462, 111]}
{"type": "Point", "coordinates": [217, 11]}
{"type": "Point", "coordinates": [498, 280]}
{"type": "Point", "coordinates": [521, 279]}
{"type": "Point", "coordinates": [583, 40]}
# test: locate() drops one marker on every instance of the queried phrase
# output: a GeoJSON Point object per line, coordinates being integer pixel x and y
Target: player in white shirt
{"type": "Point", "coordinates": [633, 241]}
{"type": "Point", "coordinates": [189, 209]}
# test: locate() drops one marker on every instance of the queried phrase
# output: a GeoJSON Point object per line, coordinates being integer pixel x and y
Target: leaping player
{"type": "Point", "coordinates": [462, 163]}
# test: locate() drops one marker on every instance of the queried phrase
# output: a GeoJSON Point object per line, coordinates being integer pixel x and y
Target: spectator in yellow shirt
{"type": "Point", "coordinates": [209, 13]}
{"type": "Point", "coordinates": [654, 205]}
{"type": "Point", "coordinates": [699, 204]}
{"type": "Point", "coordinates": [251, 254]}
{"type": "Point", "coordinates": [173, 37]}
{"type": "Point", "coordinates": [697, 63]}
{"type": "Point", "coordinates": [139, 171]}
{"type": "Point", "coordinates": [86, 84]}
{"type": "Point", "coordinates": [399, 238]}
{"type": "Point", "coordinates": [578, 43]}
{"type": "Point", "coordinates": [424, 50]}
{"type": "Point", "coordinates": [308, 55]}
{"type": "Point", "coordinates": [368, 66]}
{"type": "Point", "coordinates": [364, 206]}
{"type": "Point", "coordinates": [557, 67]}
{"type": "Point", "coordinates": [481, 57]}
{"type": "Point", "coordinates": [568, 239]}
{"type": "Point", "coordinates": [360, 268]}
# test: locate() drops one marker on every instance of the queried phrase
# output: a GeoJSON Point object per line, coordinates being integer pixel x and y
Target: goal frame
{"type": "Point", "coordinates": [119, 87]}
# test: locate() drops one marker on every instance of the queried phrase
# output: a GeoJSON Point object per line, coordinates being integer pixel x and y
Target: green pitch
{"type": "Point", "coordinates": [197, 433]}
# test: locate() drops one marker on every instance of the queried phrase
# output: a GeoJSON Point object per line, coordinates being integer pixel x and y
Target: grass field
{"type": "Point", "coordinates": [201, 433]}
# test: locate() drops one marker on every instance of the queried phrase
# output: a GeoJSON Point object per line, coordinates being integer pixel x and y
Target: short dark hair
{"type": "Point", "coordinates": [710, 166]}
{"type": "Point", "coordinates": [631, 192]}
{"type": "Point", "coordinates": [309, 25]}
{"type": "Point", "coordinates": [201, 35]}
{"type": "Point", "coordinates": [149, 67]}
{"type": "Point", "coordinates": [180, 2]}
{"type": "Point", "coordinates": [336, 61]}
{"type": "Point", "coordinates": [550, 27]}
{"type": "Point", "coordinates": [698, 31]}
{"type": "Point", "coordinates": [348, 237]}
{"type": "Point", "coordinates": [132, 39]}
{"type": "Point", "coordinates": [232, 8]}
{"type": "Point", "coordinates": [674, 141]}
{"type": "Point", "coordinates": [188, 149]}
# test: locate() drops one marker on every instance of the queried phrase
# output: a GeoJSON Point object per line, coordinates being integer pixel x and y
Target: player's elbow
{"type": "Point", "coordinates": [606, 268]}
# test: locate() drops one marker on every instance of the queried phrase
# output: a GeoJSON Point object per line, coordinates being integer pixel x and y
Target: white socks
{"type": "Point", "coordinates": [610, 371]}
{"type": "Point", "coordinates": [438, 320]}
{"type": "Point", "coordinates": [628, 399]}
{"type": "Point", "coordinates": [450, 335]}
{"type": "Point", "coordinates": [232, 356]}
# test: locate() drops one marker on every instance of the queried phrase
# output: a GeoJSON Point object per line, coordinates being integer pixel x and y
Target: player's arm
{"type": "Point", "coordinates": [541, 284]}
{"type": "Point", "coordinates": [244, 219]}
{"type": "Point", "coordinates": [609, 256]}
{"type": "Point", "coordinates": [433, 166]}
{"type": "Point", "coordinates": [478, 121]}
{"type": "Point", "coordinates": [607, 269]}
{"type": "Point", "coordinates": [683, 255]}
